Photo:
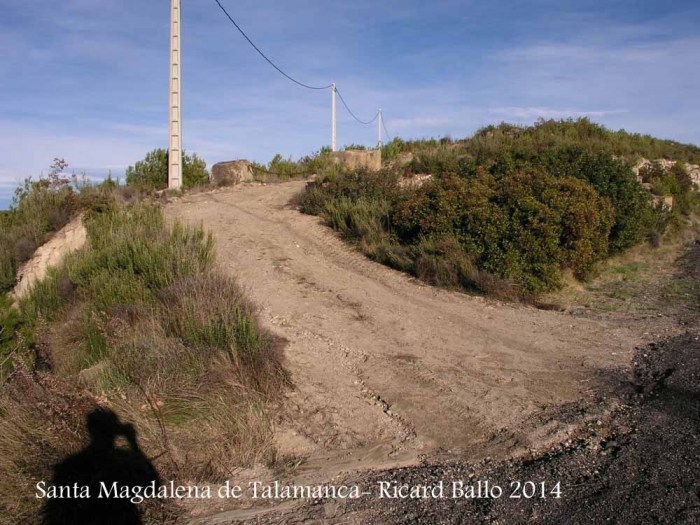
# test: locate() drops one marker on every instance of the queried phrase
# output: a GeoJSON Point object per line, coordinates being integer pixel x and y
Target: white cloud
{"type": "Point", "coordinates": [550, 113]}
{"type": "Point", "coordinates": [83, 151]}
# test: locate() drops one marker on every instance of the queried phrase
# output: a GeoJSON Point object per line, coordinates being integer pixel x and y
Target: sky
{"type": "Point", "coordinates": [87, 80]}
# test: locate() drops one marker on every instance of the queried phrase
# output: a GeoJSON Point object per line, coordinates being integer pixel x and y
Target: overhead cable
{"type": "Point", "coordinates": [269, 61]}
{"type": "Point", "coordinates": [352, 114]}
{"type": "Point", "coordinates": [388, 135]}
{"type": "Point", "coordinates": [265, 56]}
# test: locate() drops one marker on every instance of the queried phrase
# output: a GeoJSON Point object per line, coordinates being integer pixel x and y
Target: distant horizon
{"type": "Point", "coordinates": [88, 81]}
{"type": "Point", "coordinates": [99, 174]}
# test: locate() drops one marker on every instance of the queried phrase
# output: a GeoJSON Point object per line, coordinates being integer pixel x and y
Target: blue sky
{"type": "Point", "coordinates": [87, 80]}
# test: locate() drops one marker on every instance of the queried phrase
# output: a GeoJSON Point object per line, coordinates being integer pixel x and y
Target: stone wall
{"type": "Point", "coordinates": [358, 159]}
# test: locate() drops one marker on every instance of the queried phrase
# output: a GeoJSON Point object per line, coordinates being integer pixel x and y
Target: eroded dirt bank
{"type": "Point", "coordinates": [390, 371]}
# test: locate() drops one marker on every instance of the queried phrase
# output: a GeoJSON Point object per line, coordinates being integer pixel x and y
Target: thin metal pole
{"type": "Point", "coordinates": [379, 129]}
{"type": "Point", "coordinates": [175, 142]}
{"type": "Point", "coordinates": [333, 144]}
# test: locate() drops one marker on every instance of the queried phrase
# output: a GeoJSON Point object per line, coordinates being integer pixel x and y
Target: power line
{"type": "Point", "coordinates": [388, 135]}
{"type": "Point", "coordinates": [265, 56]}
{"type": "Point", "coordinates": [352, 114]}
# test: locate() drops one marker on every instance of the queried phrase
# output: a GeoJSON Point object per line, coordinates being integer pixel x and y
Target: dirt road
{"type": "Point", "coordinates": [638, 466]}
{"type": "Point", "coordinates": [386, 369]}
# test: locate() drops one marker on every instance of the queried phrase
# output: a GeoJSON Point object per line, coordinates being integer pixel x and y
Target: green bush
{"type": "Point", "coordinates": [524, 228]}
{"type": "Point", "coordinates": [319, 163]}
{"type": "Point", "coordinates": [40, 208]}
{"type": "Point", "coordinates": [509, 207]}
{"type": "Point", "coordinates": [152, 171]}
{"type": "Point", "coordinates": [612, 178]}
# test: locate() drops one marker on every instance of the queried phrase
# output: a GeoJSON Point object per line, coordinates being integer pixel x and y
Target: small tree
{"type": "Point", "coordinates": [152, 171]}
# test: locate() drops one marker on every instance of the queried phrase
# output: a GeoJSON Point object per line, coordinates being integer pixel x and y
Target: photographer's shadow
{"type": "Point", "coordinates": [98, 466]}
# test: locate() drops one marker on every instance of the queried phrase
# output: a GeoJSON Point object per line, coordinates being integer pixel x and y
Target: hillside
{"type": "Point", "coordinates": [230, 334]}
{"type": "Point", "coordinates": [510, 210]}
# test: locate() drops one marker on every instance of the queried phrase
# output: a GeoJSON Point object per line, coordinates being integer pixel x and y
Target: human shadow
{"type": "Point", "coordinates": [99, 466]}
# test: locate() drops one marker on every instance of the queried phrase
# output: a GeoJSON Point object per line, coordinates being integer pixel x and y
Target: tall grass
{"type": "Point", "coordinates": [43, 207]}
{"type": "Point", "coordinates": [157, 334]}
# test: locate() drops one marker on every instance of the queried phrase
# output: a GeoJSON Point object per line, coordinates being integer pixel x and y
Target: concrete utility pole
{"type": "Point", "coordinates": [175, 144]}
{"type": "Point", "coordinates": [379, 128]}
{"type": "Point", "coordinates": [333, 148]}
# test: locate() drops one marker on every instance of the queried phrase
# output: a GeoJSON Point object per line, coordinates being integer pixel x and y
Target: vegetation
{"type": "Point", "coordinates": [674, 182]}
{"type": "Point", "coordinates": [41, 208]}
{"type": "Point", "coordinates": [508, 210]}
{"type": "Point", "coordinates": [152, 172]}
{"type": "Point", "coordinates": [139, 321]}
{"type": "Point", "coordinates": [549, 135]}
{"type": "Point", "coordinates": [281, 169]}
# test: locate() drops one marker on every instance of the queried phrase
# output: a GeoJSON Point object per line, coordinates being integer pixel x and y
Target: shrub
{"type": "Point", "coordinates": [520, 203]}
{"type": "Point", "coordinates": [523, 228]}
{"type": "Point", "coordinates": [391, 150]}
{"type": "Point", "coordinates": [149, 328]}
{"type": "Point", "coordinates": [362, 218]}
{"type": "Point", "coordinates": [152, 171]}
{"type": "Point", "coordinates": [212, 313]}
{"type": "Point", "coordinates": [674, 181]}
{"type": "Point", "coordinates": [319, 163]}
{"type": "Point", "coordinates": [614, 179]}
{"type": "Point", "coordinates": [40, 208]}
{"type": "Point", "coordinates": [132, 255]}
{"type": "Point", "coordinates": [679, 171]}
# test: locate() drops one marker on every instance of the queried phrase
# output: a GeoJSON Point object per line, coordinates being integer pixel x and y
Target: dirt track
{"type": "Point", "coordinates": [387, 370]}
{"type": "Point", "coordinates": [638, 466]}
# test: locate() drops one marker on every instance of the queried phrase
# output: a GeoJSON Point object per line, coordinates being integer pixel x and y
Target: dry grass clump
{"type": "Point", "coordinates": [41, 420]}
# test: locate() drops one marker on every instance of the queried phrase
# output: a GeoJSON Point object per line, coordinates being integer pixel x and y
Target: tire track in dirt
{"type": "Point", "coordinates": [380, 360]}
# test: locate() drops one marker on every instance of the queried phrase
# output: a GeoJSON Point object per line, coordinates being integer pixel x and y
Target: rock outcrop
{"type": "Point", "coordinates": [231, 173]}
{"type": "Point", "coordinates": [692, 169]}
{"type": "Point", "coordinates": [694, 172]}
{"type": "Point", "coordinates": [415, 181]}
